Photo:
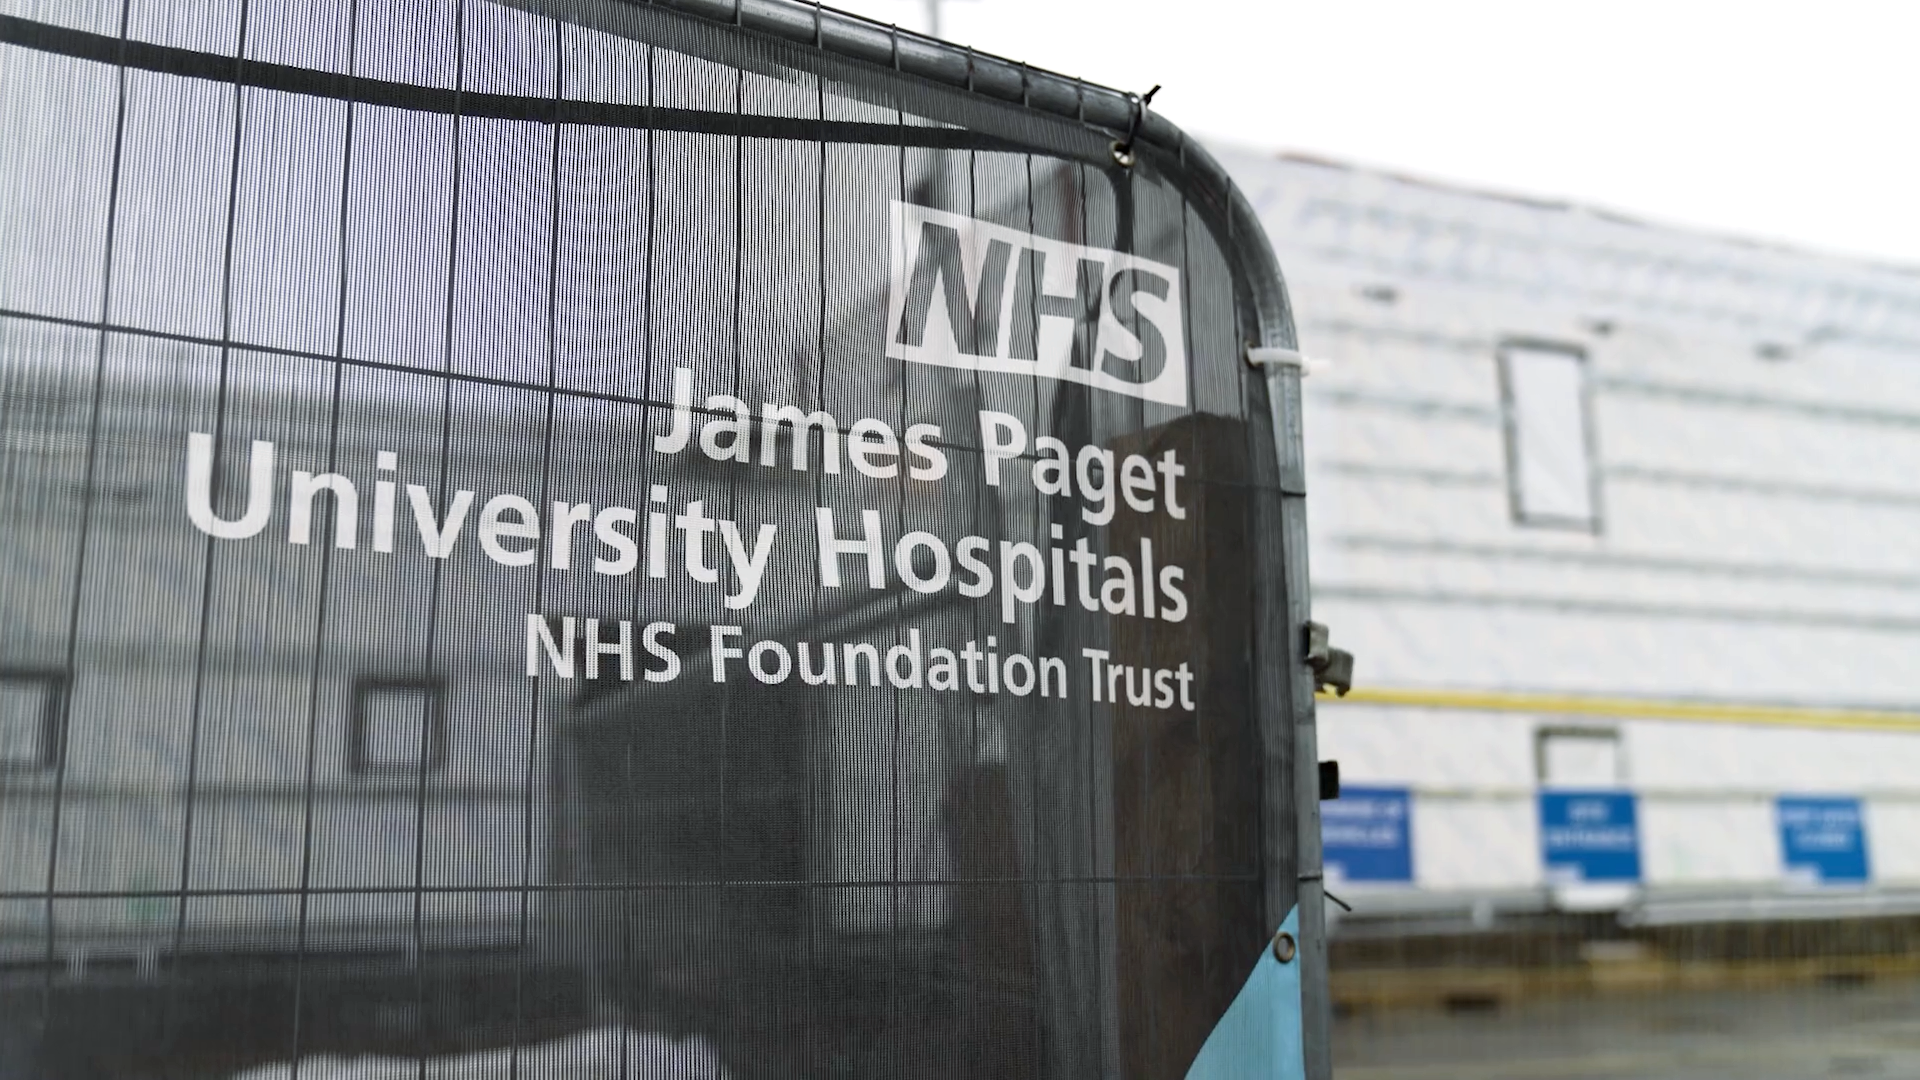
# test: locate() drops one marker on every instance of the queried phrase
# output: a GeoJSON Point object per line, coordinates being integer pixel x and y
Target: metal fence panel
{"type": "Point", "coordinates": [587, 540]}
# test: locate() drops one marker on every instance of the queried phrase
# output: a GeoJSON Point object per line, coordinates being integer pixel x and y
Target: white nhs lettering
{"type": "Point", "coordinates": [970, 294]}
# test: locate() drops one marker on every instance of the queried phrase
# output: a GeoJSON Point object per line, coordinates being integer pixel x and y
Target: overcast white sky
{"type": "Point", "coordinates": [1790, 122]}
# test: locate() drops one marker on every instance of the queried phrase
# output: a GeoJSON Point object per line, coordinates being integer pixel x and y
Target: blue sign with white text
{"type": "Point", "coordinates": [1590, 836]}
{"type": "Point", "coordinates": [1823, 840]}
{"type": "Point", "coordinates": [1365, 834]}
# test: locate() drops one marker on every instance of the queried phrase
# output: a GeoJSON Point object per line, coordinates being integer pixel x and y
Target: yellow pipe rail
{"type": "Point", "coordinates": [1710, 712]}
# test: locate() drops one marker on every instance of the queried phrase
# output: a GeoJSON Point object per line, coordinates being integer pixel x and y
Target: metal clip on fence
{"type": "Point", "coordinates": [1275, 356]}
{"type": "Point", "coordinates": [1123, 150]}
{"type": "Point", "coordinates": [1332, 668]}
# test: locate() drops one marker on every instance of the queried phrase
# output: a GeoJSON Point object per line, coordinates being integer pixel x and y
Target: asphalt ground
{"type": "Point", "coordinates": [1799, 1033]}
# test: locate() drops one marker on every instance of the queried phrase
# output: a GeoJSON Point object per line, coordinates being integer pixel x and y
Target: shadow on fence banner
{"type": "Point", "coordinates": [703, 540]}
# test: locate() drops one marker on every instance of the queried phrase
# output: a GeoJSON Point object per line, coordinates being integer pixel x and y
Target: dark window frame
{"type": "Point", "coordinates": [365, 688]}
{"type": "Point", "coordinates": [50, 748]}
{"type": "Point", "coordinates": [1509, 429]}
{"type": "Point", "coordinates": [1607, 733]}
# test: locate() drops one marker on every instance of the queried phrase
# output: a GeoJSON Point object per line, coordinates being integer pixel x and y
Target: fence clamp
{"type": "Point", "coordinates": [1332, 668]}
{"type": "Point", "coordinates": [1123, 148]}
{"type": "Point", "coordinates": [1275, 356]}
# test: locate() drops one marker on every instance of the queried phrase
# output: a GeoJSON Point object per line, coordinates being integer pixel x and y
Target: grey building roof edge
{"type": "Point", "coordinates": [1550, 204]}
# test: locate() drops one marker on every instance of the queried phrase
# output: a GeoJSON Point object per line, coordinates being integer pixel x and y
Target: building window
{"type": "Point", "coordinates": [1579, 757]}
{"type": "Point", "coordinates": [1551, 480]}
{"type": "Point", "coordinates": [32, 708]}
{"type": "Point", "coordinates": [397, 719]}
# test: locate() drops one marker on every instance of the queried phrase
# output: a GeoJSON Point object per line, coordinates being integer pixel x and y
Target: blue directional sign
{"type": "Point", "coordinates": [1590, 836]}
{"type": "Point", "coordinates": [1823, 839]}
{"type": "Point", "coordinates": [1366, 834]}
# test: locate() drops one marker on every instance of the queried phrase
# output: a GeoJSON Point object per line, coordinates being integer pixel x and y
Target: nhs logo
{"type": "Point", "coordinates": [981, 297]}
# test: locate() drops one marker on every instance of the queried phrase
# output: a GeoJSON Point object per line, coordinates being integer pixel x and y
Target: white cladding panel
{"type": "Point", "coordinates": [1459, 750]}
{"type": "Point", "coordinates": [1722, 842]}
{"type": "Point", "coordinates": [1893, 839]}
{"type": "Point", "coordinates": [1476, 844]}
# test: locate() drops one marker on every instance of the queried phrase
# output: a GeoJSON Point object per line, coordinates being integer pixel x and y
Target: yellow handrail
{"type": "Point", "coordinates": [1713, 712]}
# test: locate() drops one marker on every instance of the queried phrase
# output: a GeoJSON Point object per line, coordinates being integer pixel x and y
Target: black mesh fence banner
{"type": "Point", "coordinates": [615, 541]}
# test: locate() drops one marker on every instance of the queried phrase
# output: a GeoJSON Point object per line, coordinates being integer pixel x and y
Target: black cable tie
{"type": "Point", "coordinates": [1123, 150]}
{"type": "Point", "coordinates": [1344, 906]}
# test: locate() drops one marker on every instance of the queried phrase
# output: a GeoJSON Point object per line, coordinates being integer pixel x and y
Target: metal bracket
{"type": "Point", "coordinates": [1329, 780]}
{"type": "Point", "coordinates": [1274, 356]}
{"type": "Point", "coordinates": [1332, 668]}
